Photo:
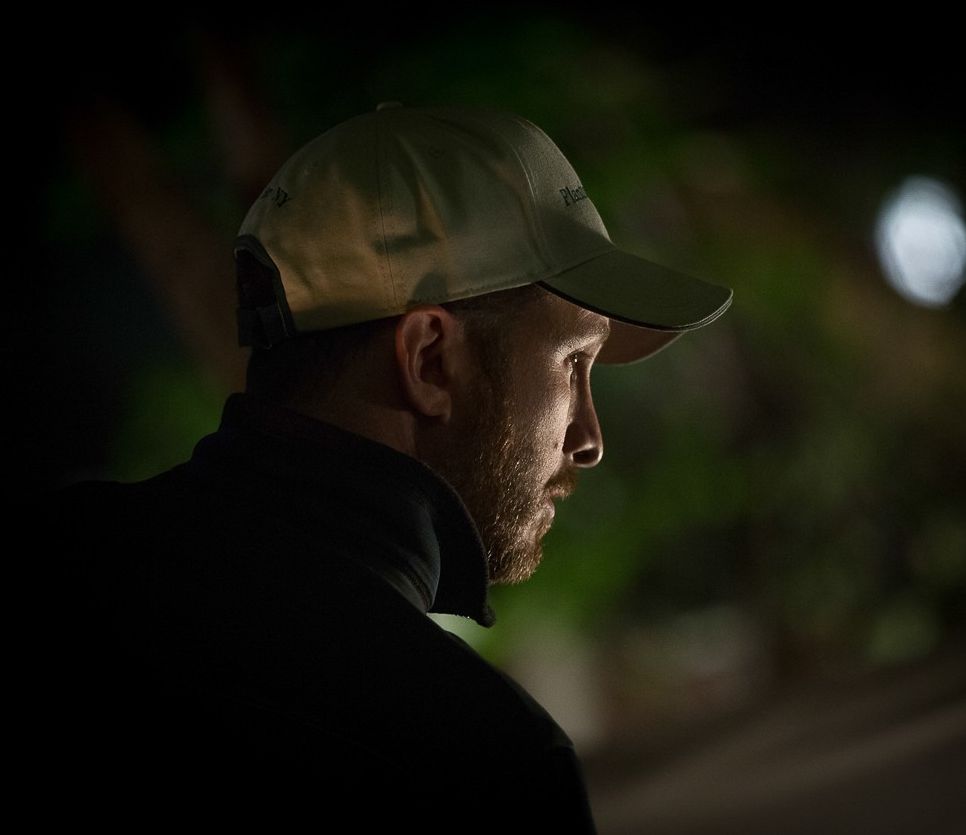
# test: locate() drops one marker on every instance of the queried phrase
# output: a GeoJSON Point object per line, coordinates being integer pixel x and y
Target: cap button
{"type": "Point", "coordinates": [383, 105]}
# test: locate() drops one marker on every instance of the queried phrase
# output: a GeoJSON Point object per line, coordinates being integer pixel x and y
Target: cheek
{"type": "Point", "coordinates": [551, 417]}
{"type": "Point", "coordinates": [544, 401]}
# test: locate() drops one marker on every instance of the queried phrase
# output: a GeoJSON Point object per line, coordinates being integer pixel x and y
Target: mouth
{"type": "Point", "coordinates": [559, 489]}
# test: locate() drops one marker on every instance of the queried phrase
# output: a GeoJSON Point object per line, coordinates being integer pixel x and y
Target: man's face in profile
{"type": "Point", "coordinates": [532, 425]}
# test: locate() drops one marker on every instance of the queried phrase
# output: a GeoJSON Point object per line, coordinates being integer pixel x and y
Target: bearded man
{"type": "Point", "coordinates": [425, 291]}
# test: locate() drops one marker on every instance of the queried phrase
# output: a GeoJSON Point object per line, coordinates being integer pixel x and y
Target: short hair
{"type": "Point", "coordinates": [312, 363]}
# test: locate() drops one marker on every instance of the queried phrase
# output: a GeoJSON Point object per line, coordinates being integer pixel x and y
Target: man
{"type": "Point", "coordinates": [425, 292]}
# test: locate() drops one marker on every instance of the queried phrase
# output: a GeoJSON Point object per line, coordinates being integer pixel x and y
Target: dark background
{"type": "Point", "coordinates": [751, 614]}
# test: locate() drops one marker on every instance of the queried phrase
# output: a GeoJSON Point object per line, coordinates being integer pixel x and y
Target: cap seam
{"type": "Point", "coordinates": [534, 214]}
{"type": "Point", "coordinates": [382, 215]}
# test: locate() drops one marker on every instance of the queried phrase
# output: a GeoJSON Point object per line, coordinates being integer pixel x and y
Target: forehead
{"type": "Point", "coordinates": [559, 322]}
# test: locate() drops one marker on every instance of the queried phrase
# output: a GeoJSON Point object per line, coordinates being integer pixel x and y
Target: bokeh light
{"type": "Point", "coordinates": [921, 241]}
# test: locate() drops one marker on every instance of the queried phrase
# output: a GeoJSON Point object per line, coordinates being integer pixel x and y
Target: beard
{"type": "Point", "coordinates": [492, 467]}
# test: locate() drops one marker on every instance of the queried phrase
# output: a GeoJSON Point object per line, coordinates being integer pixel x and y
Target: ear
{"type": "Point", "coordinates": [429, 351]}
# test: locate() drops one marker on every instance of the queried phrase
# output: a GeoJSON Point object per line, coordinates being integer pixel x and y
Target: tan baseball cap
{"type": "Point", "coordinates": [426, 205]}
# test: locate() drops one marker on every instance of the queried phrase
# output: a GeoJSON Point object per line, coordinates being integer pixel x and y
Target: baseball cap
{"type": "Point", "coordinates": [425, 205]}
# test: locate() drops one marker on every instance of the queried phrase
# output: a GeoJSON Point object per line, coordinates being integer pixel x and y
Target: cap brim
{"type": "Point", "coordinates": [649, 305]}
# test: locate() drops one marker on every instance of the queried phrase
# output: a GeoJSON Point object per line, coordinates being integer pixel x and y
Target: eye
{"type": "Point", "coordinates": [576, 360]}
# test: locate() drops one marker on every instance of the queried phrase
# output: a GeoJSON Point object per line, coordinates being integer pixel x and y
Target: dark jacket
{"type": "Point", "coordinates": [246, 635]}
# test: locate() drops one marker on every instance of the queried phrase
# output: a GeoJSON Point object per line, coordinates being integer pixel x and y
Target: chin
{"type": "Point", "coordinates": [518, 564]}
{"type": "Point", "coordinates": [520, 555]}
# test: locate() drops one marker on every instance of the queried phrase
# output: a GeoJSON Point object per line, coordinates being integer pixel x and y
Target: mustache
{"type": "Point", "coordinates": [561, 486]}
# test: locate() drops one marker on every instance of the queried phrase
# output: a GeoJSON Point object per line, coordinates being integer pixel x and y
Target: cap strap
{"type": "Point", "coordinates": [264, 319]}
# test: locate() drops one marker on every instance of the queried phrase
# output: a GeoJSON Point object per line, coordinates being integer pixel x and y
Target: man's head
{"type": "Point", "coordinates": [439, 279]}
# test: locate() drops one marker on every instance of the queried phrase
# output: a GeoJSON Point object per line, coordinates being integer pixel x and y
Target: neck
{"type": "Point", "coordinates": [393, 426]}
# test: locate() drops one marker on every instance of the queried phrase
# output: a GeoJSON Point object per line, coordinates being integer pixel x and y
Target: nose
{"type": "Point", "coordinates": [583, 442]}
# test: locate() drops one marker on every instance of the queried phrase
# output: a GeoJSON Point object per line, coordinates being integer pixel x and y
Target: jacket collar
{"type": "Point", "coordinates": [400, 518]}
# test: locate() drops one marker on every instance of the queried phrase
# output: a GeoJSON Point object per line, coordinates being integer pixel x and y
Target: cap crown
{"type": "Point", "coordinates": [403, 206]}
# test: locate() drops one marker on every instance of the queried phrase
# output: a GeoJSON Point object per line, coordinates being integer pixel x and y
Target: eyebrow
{"type": "Point", "coordinates": [598, 327]}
